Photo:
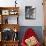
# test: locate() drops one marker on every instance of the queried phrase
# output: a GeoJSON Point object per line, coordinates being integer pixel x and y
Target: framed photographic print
{"type": "Point", "coordinates": [13, 12]}
{"type": "Point", "coordinates": [5, 12]}
{"type": "Point", "coordinates": [29, 12]}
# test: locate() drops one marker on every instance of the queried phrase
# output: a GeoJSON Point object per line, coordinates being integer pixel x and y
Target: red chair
{"type": "Point", "coordinates": [29, 33]}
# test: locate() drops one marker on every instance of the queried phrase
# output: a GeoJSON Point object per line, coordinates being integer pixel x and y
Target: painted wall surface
{"type": "Point", "coordinates": [22, 3]}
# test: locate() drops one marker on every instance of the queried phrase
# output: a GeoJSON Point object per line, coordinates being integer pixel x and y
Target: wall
{"type": "Point", "coordinates": [39, 13]}
{"type": "Point", "coordinates": [22, 21]}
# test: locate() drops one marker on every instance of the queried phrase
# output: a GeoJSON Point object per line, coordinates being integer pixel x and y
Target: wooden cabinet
{"type": "Point", "coordinates": [8, 25]}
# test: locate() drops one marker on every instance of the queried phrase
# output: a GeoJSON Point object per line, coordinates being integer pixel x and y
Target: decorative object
{"type": "Point", "coordinates": [5, 12]}
{"type": "Point", "coordinates": [13, 12]}
{"type": "Point", "coordinates": [15, 37]}
{"type": "Point", "coordinates": [29, 12]}
{"type": "Point", "coordinates": [15, 3]}
{"type": "Point", "coordinates": [15, 30]}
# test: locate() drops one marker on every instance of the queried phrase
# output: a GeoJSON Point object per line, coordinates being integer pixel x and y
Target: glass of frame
{"type": "Point", "coordinates": [13, 12]}
{"type": "Point", "coordinates": [29, 12]}
{"type": "Point", "coordinates": [5, 12]}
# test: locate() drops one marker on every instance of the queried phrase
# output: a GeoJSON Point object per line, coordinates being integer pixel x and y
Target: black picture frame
{"type": "Point", "coordinates": [30, 12]}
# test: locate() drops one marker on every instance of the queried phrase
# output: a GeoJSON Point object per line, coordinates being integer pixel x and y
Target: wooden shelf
{"type": "Point", "coordinates": [9, 43]}
{"type": "Point", "coordinates": [4, 13]}
{"type": "Point", "coordinates": [5, 8]}
{"type": "Point", "coordinates": [11, 26]}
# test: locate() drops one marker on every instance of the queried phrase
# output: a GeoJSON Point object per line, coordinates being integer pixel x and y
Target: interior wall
{"type": "Point", "coordinates": [39, 13]}
{"type": "Point", "coordinates": [22, 3]}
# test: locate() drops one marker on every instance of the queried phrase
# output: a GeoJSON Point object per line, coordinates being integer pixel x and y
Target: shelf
{"type": "Point", "coordinates": [11, 41]}
{"type": "Point", "coordinates": [11, 15]}
{"type": "Point", "coordinates": [10, 26]}
{"type": "Point", "coordinates": [8, 10]}
{"type": "Point", "coordinates": [7, 16]}
{"type": "Point", "coordinates": [5, 8]}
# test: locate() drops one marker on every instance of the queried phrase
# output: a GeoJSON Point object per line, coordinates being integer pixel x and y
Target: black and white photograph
{"type": "Point", "coordinates": [29, 12]}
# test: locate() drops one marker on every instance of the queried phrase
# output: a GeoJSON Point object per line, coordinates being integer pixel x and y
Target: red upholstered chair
{"type": "Point", "coordinates": [29, 33]}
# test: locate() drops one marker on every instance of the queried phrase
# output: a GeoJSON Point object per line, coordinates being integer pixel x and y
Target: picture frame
{"type": "Point", "coordinates": [5, 12]}
{"type": "Point", "coordinates": [13, 12]}
{"type": "Point", "coordinates": [30, 12]}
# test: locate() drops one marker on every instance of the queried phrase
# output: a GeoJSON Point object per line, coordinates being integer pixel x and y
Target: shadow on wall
{"type": "Point", "coordinates": [37, 29]}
